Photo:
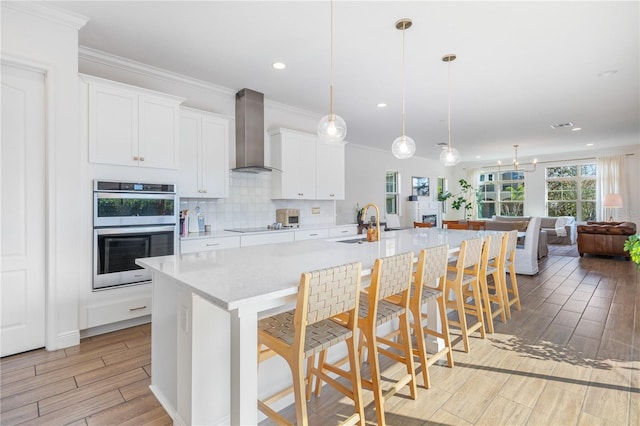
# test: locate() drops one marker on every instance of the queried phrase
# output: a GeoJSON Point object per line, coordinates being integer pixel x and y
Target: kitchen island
{"type": "Point", "coordinates": [206, 307]}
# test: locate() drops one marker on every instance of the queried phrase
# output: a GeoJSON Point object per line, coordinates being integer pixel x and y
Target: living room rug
{"type": "Point", "coordinates": [563, 250]}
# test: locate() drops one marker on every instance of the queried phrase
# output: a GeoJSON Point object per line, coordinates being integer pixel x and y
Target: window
{"type": "Point", "coordinates": [571, 191]}
{"type": "Point", "coordinates": [392, 193]}
{"type": "Point", "coordinates": [501, 194]}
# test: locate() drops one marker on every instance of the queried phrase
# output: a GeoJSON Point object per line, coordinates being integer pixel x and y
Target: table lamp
{"type": "Point", "coordinates": [612, 201]}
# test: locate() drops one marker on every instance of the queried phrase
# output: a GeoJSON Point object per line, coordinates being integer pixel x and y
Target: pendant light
{"type": "Point", "coordinates": [332, 129]}
{"type": "Point", "coordinates": [403, 147]}
{"type": "Point", "coordinates": [449, 156]}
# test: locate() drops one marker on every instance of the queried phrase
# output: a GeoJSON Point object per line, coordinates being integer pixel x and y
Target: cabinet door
{"type": "Point", "coordinates": [295, 154]}
{"type": "Point", "coordinates": [188, 178]}
{"type": "Point", "coordinates": [329, 171]}
{"type": "Point", "coordinates": [214, 158]}
{"type": "Point", "coordinates": [158, 143]}
{"type": "Point", "coordinates": [113, 126]}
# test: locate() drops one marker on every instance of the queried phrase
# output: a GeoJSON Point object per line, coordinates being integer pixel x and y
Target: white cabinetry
{"type": "Point", "coordinates": [312, 234]}
{"type": "Point", "coordinates": [208, 244]}
{"type": "Point", "coordinates": [204, 155]}
{"type": "Point", "coordinates": [343, 231]}
{"type": "Point", "coordinates": [293, 153]}
{"type": "Point", "coordinates": [329, 171]}
{"type": "Point", "coordinates": [311, 170]}
{"type": "Point", "coordinates": [130, 126]}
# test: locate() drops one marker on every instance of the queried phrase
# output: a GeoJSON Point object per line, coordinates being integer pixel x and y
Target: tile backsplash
{"type": "Point", "coordinates": [250, 205]}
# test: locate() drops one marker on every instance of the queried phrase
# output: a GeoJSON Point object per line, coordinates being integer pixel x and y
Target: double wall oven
{"type": "Point", "coordinates": [130, 221]}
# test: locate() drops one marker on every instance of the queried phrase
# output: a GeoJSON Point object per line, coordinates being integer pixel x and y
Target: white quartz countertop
{"type": "Point", "coordinates": [233, 278]}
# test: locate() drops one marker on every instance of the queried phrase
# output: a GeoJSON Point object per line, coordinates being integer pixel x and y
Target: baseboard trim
{"type": "Point", "coordinates": [108, 328]}
{"type": "Point", "coordinates": [68, 339]}
{"type": "Point", "coordinates": [177, 420]}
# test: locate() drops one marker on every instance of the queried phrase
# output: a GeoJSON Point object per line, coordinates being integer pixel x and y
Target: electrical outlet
{"type": "Point", "coordinates": [315, 210]}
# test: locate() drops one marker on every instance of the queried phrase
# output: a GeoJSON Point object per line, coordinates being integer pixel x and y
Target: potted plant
{"type": "Point", "coordinates": [632, 245]}
{"type": "Point", "coordinates": [465, 199]}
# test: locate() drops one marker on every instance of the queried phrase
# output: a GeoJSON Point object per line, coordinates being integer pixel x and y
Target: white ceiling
{"type": "Point", "coordinates": [521, 67]}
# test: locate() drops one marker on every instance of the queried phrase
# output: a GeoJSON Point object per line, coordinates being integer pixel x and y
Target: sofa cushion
{"type": "Point", "coordinates": [609, 228]}
{"type": "Point", "coordinates": [506, 225]}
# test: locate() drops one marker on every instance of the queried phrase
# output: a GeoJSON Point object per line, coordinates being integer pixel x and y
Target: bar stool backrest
{"type": "Point", "coordinates": [511, 244]}
{"type": "Point", "coordinates": [472, 252]}
{"type": "Point", "coordinates": [434, 266]}
{"type": "Point", "coordinates": [392, 275]}
{"type": "Point", "coordinates": [331, 291]}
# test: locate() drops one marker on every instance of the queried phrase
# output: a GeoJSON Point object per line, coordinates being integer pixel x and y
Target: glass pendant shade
{"type": "Point", "coordinates": [332, 129]}
{"type": "Point", "coordinates": [403, 147]}
{"type": "Point", "coordinates": [449, 157]}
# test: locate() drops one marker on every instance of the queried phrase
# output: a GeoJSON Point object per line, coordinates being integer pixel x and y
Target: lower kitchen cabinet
{"type": "Point", "coordinates": [208, 244]}
{"type": "Point", "coordinates": [343, 231]}
{"type": "Point", "coordinates": [111, 312]}
{"type": "Point", "coordinates": [311, 234]}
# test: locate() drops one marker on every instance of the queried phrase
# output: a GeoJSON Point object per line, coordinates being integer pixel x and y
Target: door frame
{"type": "Point", "coordinates": [48, 70]}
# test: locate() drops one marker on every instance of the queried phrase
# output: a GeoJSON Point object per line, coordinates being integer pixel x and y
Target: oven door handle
{"type": "Point", "coordinates": [134, 196]}
{"type": "Point", "coordinates": [133, 229]}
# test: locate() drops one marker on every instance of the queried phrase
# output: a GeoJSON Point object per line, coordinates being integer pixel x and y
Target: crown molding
{"type": "Point", "coordinates": [114, 61]}
{"type": "Point", "coordinates": [48, 12]}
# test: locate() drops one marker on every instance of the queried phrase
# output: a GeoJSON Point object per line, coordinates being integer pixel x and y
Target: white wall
{"type": "Point", "coordinates": [49, 39]}
{"type": "Point", "coordinates": [365, 180]}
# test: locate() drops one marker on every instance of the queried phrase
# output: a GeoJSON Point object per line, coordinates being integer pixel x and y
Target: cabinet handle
{"type": "Point", "coordinates": [312, 235]}
{"type": "Point", "coordinates": [139, 308]}
{"type": "Point", "coordinates": [135, 158]}
{"type": "Point", "coordinates": [343, 232]}
{"type": "Point", "coordinates": [213, 244]}
{"type": "Point", "coordinates": [331, 195]}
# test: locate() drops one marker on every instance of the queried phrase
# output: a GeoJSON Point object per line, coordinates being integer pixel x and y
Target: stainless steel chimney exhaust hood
{"type": "Point", "coordinates": [250, 132]}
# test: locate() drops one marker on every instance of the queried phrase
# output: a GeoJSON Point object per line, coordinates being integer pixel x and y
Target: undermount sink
{"type": "Point", "coordinates": [354, 241]}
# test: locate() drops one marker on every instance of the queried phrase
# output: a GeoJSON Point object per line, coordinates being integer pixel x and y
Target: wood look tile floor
{"type": "Point", "coordinates": [570, 357]}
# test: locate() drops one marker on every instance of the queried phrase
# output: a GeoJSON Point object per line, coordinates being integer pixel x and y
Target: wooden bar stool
{"type": "Point", "coordinates": [390, 276]}
{"type": "Point", "coordinates": [421, 225]}
{"type": "Point", "coordinates": [462, 279]}
{"type": "Point", "coordinates": [309, 329]}
{"type": "Point", "coordinates": [492, 255]}
{"type": "Point", "coordinates": [509, 265]}
{"type": "Point", "coordinates": [431, 268]}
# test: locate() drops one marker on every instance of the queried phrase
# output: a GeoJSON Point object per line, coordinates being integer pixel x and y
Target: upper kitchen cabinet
{"type": "Point", "coordinates": [294, 154]}
{"type": "Point", "coordinates": [130, 126]}
{"type": "Point", "coordinates": [311, 169]}
{"type": "Point", "coordinates": [330, 171]}
{"type": "Point", "coordinates": [204, 155]}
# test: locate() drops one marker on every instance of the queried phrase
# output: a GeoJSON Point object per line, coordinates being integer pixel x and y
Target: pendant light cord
{"type": "Point", "coordinates": [449, 104]}
{"type": "Point", "coordinates": [331, 65]}
{"type": "Point", "coordinates": [403, 31]}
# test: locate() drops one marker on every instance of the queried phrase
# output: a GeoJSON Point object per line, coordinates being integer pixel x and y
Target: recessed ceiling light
{"type": "Point", "coordinates": [607, 73]}
{"type": "Point", "coordinates": [478, 156]}
{"type": "Point", "coordinates": [279, 65]}
{"type": "Point", "coordinates": [589, 144]}
{"type": "Point", "coordinates": [381, 105]}
{"type": "Point", "coordinates": [576, 129]}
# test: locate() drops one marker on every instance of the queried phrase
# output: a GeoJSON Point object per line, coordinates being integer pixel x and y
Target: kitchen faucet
{"type": "Point", "coordinates": [376, 232]}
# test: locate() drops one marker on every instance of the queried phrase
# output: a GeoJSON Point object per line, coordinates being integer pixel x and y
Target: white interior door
{"type": "Point", "coordinates": [22, 224]}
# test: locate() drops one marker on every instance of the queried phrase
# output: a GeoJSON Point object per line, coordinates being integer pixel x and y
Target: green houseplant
{"type": "Point", "coordinates": [632, 245]}
{"type": "Point", "coordinates": [465, 199]}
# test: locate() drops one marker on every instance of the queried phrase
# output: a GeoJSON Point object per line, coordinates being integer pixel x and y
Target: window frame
{"type": "Point", "coordinates": [394, 194]}
{"type": "Point", "coordinates": [579, 180]}
{"type": "Point", "coordinates": [500, 201]}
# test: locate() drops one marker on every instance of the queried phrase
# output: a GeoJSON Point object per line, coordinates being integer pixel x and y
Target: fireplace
{"type": "Point", "coordinates": [430, 218]}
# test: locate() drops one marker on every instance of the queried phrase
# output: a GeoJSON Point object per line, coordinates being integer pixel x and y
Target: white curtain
{"type": "Point", "coordinates": [473, 177]}
{"type": "Point", "coordinates": [611, 172]}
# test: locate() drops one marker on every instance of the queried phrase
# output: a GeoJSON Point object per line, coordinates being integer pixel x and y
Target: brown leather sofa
{"type": "Point", "coordinates": [606, 238]}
